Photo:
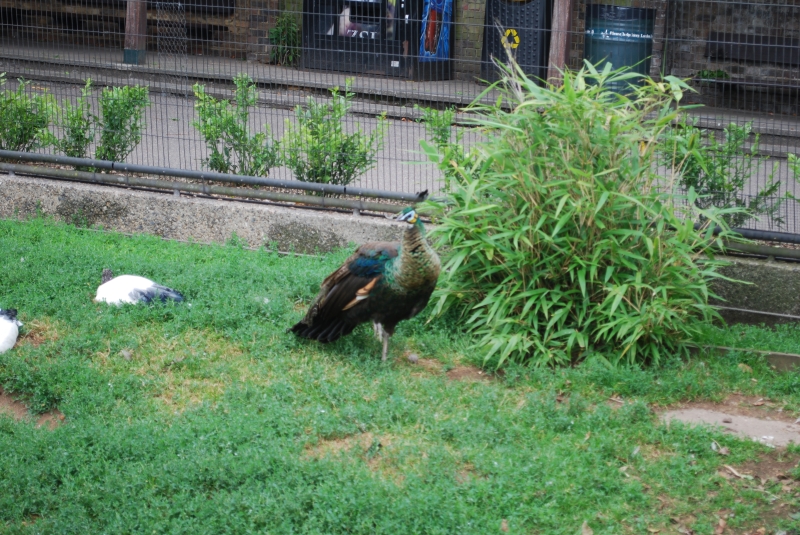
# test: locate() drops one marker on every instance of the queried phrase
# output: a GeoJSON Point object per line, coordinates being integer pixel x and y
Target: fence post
{"type": "Point", "coordinates": [559, 39]}
{"type": "Point", "coordinates": [135, 32]}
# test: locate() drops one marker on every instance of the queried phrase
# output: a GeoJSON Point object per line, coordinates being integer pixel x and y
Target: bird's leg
{"type": "Point", "coordinates": [378, 329]}
{"type": "Point", "coordinates": [385, 344]}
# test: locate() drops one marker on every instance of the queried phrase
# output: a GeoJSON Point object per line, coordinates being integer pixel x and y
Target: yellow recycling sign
{"type": "Point", "coordinates": [510, 39]}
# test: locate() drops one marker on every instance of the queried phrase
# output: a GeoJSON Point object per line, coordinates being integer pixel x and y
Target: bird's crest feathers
{"type": "Point", "coordinates": [409, 215]}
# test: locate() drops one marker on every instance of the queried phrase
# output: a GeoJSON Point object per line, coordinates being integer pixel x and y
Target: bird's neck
{"type": "Point", "coordinates": [415, 254]}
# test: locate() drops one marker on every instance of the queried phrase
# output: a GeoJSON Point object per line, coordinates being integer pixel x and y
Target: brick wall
{"type": "Point", "coordinates": [469, 19]}
{"type": "Point", "coordinates": [750, 85]}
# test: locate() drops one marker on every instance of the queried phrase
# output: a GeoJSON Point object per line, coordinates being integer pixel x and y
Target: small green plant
{"type": "Point", "coordinates": [224, 127]}
{"type": "Point", "coordinates": [317, 148]}
{"type": "Point", "coordinates": [78, 125]}
{"type": "Point", "coordinates": [285, 40]}
{"type": "Point", "coordinates": [713, 75]}
{"type": "Point", "coordinates": [794, 165]}
{"type": "Point", "coordinates": [439, 125]}
{"type": "Point", "coordinates": [440, 143]}
{"type": "Point", "coordinates": [121, 121]}
{"type": "Point", "coordinates": [561, 246]}
{"type": "Point", "coordinates": [24, 118]}
{"type": "Point", "coordinates": [719, 172]}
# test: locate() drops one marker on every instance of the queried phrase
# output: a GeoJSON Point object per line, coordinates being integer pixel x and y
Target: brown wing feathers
{"type": "Point", "coordinates": [361, 294]}
{"type": "Point", "coordinates": [327, 319]}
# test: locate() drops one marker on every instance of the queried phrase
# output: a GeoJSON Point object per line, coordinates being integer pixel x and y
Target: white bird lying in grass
{"type": "Point", "coordinates": [9, 329]}
{"type": "Point", "coordinates": [133, 289]}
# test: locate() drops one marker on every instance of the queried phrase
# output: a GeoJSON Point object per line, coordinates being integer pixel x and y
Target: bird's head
{"type": "Point", "coordinates": [11, 315]}
{"type": "Point", "coordinates": [409, 215]}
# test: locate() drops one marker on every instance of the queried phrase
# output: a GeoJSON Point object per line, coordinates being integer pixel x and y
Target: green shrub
{"type": "Point", "coordinates": [720, 172]}
{"type": "Point", "coordinates": [78, 125]}
{"type": "Point", "coordinates": [121, 121]}
{"type": "Point", "coordinates": [285, 40]}
{"type": "Point", "coordinates": [232, 148]}
{"type": "Point", "coordinates": [24, 118]}
{"type": "Point", "coordinates": [560, 245]}
{"type": "Point", "coordinates": [317, 149]}
{"type": "Point", "coordinates": [794, 165]}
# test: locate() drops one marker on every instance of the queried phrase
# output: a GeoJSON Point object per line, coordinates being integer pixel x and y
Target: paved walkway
{"type": "Point", "coordinates": [53, 61]}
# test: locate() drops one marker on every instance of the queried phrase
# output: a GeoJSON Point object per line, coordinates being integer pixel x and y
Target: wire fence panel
{"type": "Point", "coordinates": [399, 57]}
{"type": "Point", "coordinates": [743, 61]}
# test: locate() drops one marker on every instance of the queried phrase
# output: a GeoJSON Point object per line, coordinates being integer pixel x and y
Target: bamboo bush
{"type": "Point", "coordinates": [563, 243]}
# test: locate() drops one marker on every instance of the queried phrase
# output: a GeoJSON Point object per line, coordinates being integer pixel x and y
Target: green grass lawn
{"type": "Point", "coordinates": [783, 338]}
{"type": "Point", "coordinates": [212, 419]}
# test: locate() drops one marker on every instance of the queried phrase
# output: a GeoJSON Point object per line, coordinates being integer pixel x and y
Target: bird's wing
{"type": "Point", "coordinates": [352, 282]}
{"type": "Point", "coordinates": [156, 292]}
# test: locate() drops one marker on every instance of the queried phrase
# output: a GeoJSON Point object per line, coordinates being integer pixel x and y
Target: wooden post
{"type": "Point", "coordinates": [559, 39]}
{"type": "Point", "coordinates": [135, 32]}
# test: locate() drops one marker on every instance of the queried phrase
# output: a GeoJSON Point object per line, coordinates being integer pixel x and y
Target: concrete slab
{"type": "Point", "coordinates": [770, 432]}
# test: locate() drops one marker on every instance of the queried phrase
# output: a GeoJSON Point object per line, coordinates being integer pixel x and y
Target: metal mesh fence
{"type": "Point", "coordinates": [743, 59]}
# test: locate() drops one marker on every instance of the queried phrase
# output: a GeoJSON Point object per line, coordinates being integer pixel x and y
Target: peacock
{"type": "Point", "coordinates": [132, 289]}
{"type": "Point", "coordinates": [382, 282]}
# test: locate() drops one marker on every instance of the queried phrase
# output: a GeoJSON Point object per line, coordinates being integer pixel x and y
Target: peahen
{"type": "Point", "coordinates": [382, 282]}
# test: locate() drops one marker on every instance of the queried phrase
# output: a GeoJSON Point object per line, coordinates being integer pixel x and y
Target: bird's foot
{"type": "Point", "coordinates": [385, 345]}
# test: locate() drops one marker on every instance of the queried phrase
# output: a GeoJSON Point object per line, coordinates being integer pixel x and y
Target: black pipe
{"type": "Point", "coordinates": [763, 235]}
{"type": "Point", "coordinates": [121, 180]}
{"type": "Point", "coordinates": [212, 176]}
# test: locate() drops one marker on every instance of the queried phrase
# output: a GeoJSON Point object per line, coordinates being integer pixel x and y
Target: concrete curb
{"type": "Point", "coordinates": [198, 219]}
{"type": "Point", "coordinates": [772, 287]}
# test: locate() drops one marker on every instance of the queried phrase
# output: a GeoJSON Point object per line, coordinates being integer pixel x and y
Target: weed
{"type": "Point", "coordinates": [285, 40]}
{"type": "Point", "coordinates": [718, 74]}
{"type": "Point", "coordinates": [794, 166]}
{"type": "Point", "coordinates": [233, 149]}
{"type": "Point", "coordinates": [720, 172]}
{"type": "Point", "coordinates": [121, 121]}
{"type": "Point", "coordinates": [449, 153]}
{"type": "Point", "coordinates": [317, 148]}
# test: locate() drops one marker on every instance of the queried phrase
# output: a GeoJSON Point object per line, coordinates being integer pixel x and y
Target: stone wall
{"type": "Point", "coordinates": [750, 85]}
{"type": "Point", "coordinates": [200, 220]}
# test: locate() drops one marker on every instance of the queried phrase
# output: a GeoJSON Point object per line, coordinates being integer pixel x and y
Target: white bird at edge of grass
{"type": "Point", "coordinates": [9, 329]}
{"type": "Point", "coordinates": [132, 289]}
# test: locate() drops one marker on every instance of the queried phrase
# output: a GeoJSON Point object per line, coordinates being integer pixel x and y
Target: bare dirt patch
{"type": "Point", "coordinates": [772, 468]}
{"type": "Point", "coordinates": [18, 411]}
{"type": "Point", "coordinates": [468, 374]}
{"type": "Point", "coordinates": [772, 474]}
{"type": "Point", "coordinates": [375, 451]}
{"type": "Point", "coordinates": [336, 446]}
{"type": "Point", "coordinates": [39, 331]}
